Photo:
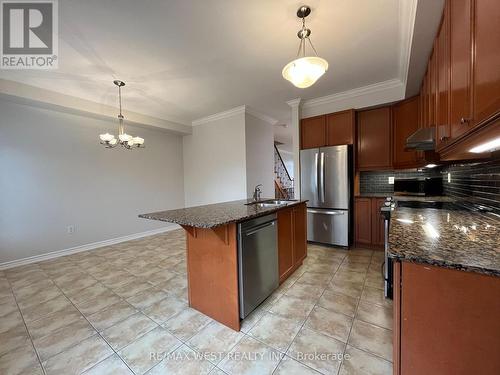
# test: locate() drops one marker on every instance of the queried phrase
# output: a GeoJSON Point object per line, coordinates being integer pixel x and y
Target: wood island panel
{"type": "Point", "coordinates": [212, 264]}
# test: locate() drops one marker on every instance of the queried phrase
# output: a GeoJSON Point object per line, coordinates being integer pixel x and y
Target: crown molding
{"type": "Point", "coordinates": [349, 94]}
{"type": "Point", "coordinates": [407, 16]}
{"type": "Point", "coordinates": [243, 109]}
{"type": "Point", "coordinates": [294, 102]}
{"type": "Point", "coordinates": [42, 98]}
{"type": "Point", "coordinates": [261, 116]}
{"type": "Point", "coordinates": [221, 115]}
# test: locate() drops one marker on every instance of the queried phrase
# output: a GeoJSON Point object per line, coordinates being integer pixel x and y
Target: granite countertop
{"type": "Point", "coordinates": [217, 214]}
{"type": "Point", "coordinates": [373, 195]}
{"type": "Point", "coordinates": [452, 238]}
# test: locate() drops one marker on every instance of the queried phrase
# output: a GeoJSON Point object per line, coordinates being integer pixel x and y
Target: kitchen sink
{"type": "Point", "coordinates": [269, 203]}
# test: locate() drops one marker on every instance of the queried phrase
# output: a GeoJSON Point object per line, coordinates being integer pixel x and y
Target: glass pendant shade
{"type": "Point", "coordinates": [305, 71]}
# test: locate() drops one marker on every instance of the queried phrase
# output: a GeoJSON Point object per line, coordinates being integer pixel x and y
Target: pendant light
{"type": "Point", "coordinates": [124, 139]}
{"type": "Point", "coordinates": [304, 71]}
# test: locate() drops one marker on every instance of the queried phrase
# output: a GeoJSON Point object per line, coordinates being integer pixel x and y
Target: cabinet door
{"type": "Point", "coordinates": [432, 88]}
{"type": "Point", "coordinates": [443, 81]}
{"type": "Point", "coordinates": [375, 139]}
{"type": "Point", "coordinates": [300, 233]}
{"type": "Point", "coordinates": [313, 132]}
{"type": "Point", "coordinates": [363, 219]}
{"type": "Point", "coordinates": [405, 123]}
{"type": "Point", "coordinates": [425, 101]}
{"type": "Point", "coordinates": [487, 59]}
{"type": "Point", "coordinates": [285, 242]}
{"type": "Point", "coordinates": [460, 68]}
{"type": "Point", "coordinates": [377, 222]}
{"type": "Point", "coordinates": [340, 128]}
{"type": "Point", "coordinates": [445, 313]}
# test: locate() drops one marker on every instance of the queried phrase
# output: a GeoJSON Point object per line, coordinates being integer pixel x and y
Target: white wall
{"type": "Point", "coordinates": [214, 161]}
{"type": "Point", "coordinates": [259, 141]}
{"type": "Point", "coordinates": [54, 173]}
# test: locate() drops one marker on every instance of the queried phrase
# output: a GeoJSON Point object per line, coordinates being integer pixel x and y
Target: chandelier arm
{"type": "Point", "coordinates": [314, 49]}
{"type": "Point", "coordinates": [300, 47]}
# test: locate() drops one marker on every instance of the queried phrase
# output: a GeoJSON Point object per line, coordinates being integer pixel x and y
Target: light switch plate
{"type": "Point", "coordinates": [391, 180]}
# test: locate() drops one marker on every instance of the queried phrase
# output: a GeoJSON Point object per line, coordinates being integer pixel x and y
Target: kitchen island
{"type": "Point", "coordinates": [446, 290]}
{"type": "Point", "coordinates": [212, 249]}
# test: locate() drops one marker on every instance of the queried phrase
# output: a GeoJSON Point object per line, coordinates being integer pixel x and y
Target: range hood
{"type": "Point", "coordinates": [422, 140]}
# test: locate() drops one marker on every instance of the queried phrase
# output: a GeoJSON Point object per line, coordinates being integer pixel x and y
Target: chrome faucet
{"type": "Point", "coordinates": [257, 192]}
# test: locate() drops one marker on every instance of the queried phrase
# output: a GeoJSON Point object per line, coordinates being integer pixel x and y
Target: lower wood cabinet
{"type": "Point", "coordinates": [292, 239]}
{"type": "Point", "coordinates": [369, 224]}
{"type": "Point", "coordinates": [446, 321]}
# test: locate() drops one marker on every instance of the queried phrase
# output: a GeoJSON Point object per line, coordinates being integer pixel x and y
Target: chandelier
{"type": "Point", "coordinates": [304, 71]}
{"type": "Point", "coordinates": [124, 139]}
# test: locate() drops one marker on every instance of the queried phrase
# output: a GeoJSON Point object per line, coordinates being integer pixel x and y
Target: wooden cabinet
{"type": "Point", "coordinates": [405, 122]}
{"type": "Point", "coordinates": [377, 222]}
{"type": "Point", "coordinates": [374, 132]}
{"type": "Point", "coordinates": [292, 234]}
{"type": "Point", "coordinates": [486, 72]}
{"type": "Point", "coordinates": [340, 128]}
{"type": "Point", "coordinates": [443, 81]}
{"type": "Point", "coordinates": [369, 225]}
{"type": "Point", "coordinates": [363, 220]}
{"type": "Point", "coordinates": [460, 66]}
{"type": "Point", "coordinates": [328, 130]}
{"type": "Point", "coordinates": [300, 234]}
{"type": "Point", "coordinates": [313, 132]}
{"type": "Point", "coordinates": [440, 314]}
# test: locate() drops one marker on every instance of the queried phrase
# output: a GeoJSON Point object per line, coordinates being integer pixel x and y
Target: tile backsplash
{"type": "Point", "coordinates": [478, 183]}
{"type": "Point", "coordinates": [475, 182]}
{"type": "Point", "coordinates": [378, 182]}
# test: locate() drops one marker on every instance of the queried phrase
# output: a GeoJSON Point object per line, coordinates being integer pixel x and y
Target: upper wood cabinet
{"type": "Point", "coordinates": [374, 139]}
{"type": "Point", "coordinates": [460, 66]}
{"type": "Point", "coordinates": [443, 81]}
{"type": "Point", "coordinates": [486, 73]}
{"type": "Point", "coordinates": [405, 123]}
{"type": "Point", "coordinates": [340, 128]}
{"type": "Point", "coordinates": [313, 132]}
{"type": "Point", "coordinates": [328, 130]}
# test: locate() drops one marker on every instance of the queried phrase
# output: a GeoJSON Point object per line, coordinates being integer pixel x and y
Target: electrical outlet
{"type": "Point", "coordinates": [70, 229]}
{"type": "Point", "coordinates": [391, 180]}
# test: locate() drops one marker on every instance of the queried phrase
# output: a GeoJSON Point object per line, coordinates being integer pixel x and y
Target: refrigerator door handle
{"type": "Point", "coordinates": [322, 178]}
{"type": "Point", "coordinates": [326, 212]}
{"type": "Point", "coordinates": [316, 165]}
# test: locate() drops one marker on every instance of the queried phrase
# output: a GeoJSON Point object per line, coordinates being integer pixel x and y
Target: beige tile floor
{"type": "Point", "coordinates": [123, 309]}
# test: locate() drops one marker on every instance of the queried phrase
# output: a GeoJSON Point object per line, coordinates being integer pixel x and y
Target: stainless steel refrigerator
{"type": "Point", "coordinates": [325, 180]}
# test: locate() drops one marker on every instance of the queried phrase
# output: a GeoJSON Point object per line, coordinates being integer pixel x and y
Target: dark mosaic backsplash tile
{"type": "Point", "coordinates": [378, 182]}
{"type": "Point", "coordinates": [477, 182]}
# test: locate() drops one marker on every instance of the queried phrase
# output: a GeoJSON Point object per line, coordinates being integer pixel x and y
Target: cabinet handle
{"type": "Point", "coordinates": [464, 120]}
{"type": "Point", "coordinates": [443, 138]}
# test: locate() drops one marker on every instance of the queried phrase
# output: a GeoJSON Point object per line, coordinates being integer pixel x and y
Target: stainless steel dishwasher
{"type": "Point", "coordinates": [257, 261]}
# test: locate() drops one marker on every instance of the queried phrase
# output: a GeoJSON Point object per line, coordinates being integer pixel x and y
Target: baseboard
{"type": "Point", "coordinates": [86, 247]}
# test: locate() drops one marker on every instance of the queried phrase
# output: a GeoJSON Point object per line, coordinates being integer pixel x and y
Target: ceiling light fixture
{"type": "Point", "coordinates": [304, 71]}
{"type": "Point", "coordinates": [124, 139]}
{"type": "Point", "coordinates": [488, 146]}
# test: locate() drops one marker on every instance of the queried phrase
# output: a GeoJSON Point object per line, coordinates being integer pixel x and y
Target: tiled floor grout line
{"type": "Point", "coordinates": [96, 330]}
{"type": "Point", "coordinates": [307, 317]}
{"type": "Point", "coordinates": [338, 267]}
{"type": "Point", "coordinates": [26, 326]}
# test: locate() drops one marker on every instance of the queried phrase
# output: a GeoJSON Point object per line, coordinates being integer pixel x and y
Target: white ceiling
{"type": "Point", "coordinates": [187, 59]}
